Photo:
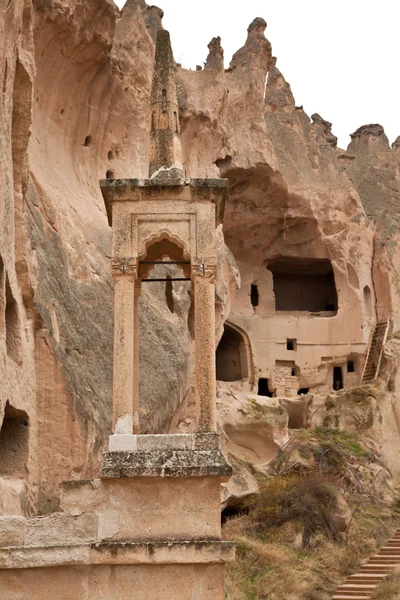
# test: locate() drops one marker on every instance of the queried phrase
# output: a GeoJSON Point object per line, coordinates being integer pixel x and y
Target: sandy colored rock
{"type": "Point", "coordinates": [292, 194]}
{"type": "Point", "coordinates": [253, 427]}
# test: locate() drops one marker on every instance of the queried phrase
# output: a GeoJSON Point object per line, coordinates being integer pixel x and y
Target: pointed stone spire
{"type": "Point", "coordinates": [165, 155]}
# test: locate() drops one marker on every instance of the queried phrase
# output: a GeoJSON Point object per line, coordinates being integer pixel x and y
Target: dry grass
{"type": "Point", "coordinates": [389, 589]}
{"type": "Point", "coordinates": [288, 545]}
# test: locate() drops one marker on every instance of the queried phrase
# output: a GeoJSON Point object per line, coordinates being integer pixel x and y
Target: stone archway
{"type": "Point", "coordinates": [233, 355]}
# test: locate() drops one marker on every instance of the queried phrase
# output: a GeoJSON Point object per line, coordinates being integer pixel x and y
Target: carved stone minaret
{"type": "Point", "coordinates": [149, 526]}
{"type": "Point", "coordinates": [165, 156]}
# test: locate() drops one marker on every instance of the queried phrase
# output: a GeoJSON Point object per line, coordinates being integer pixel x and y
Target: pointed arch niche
{"type": "Point", "coordinates": [163, 250]}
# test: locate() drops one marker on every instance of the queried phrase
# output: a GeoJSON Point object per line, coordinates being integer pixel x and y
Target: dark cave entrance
{"type": "Point", "coordinates": [304, 285]}
{"type": "Point", "coordinates": [263, 387]}
{"type": "Point", "coordinates": [337, 378]}
{"type": "Point", "coordinates": [14, 442]}
{"type": "Point", "coordinates": [254, 296]}
{"type": "Point", "coordinates": [231, 356]}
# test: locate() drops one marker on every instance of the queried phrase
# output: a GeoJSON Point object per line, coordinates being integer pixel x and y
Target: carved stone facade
{"type": "Point", "coordinates": [151, 223]}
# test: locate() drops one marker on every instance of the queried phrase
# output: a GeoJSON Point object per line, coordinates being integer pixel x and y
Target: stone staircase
{"type": "Point", "coordinates": [375, 351]}
{"type": "Point", "coordinates": [361, 585]}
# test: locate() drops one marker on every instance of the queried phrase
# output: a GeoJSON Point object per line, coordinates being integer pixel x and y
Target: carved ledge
{"type": "Point", "coordinates": [165, 463]}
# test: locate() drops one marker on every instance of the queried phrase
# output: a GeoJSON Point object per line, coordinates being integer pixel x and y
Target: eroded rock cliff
{"type": "Point", "coordinates": [74, 109]}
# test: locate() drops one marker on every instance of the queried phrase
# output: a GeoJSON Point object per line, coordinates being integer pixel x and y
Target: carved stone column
{"type": "Point", "coordinates": [135, 400]}
{"type": "Point", "coordinates": [124, 410]}
{"type": "Point", "coordinates": [204, 333]}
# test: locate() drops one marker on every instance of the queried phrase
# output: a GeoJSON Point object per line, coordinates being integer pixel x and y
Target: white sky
{"type": "Point", "coordinates": [341, 57]}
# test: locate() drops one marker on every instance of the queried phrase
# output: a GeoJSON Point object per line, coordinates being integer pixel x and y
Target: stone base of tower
{"type": "Point", "coordinates": [116, 582]}
{"type": "Point", "coordinates": [148, 529]}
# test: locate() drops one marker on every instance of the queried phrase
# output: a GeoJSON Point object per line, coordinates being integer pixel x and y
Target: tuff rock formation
{"type": "Point", "coordinates": [76, 77]}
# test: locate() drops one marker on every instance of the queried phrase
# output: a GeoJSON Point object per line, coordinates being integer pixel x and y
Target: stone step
{"type": "Point", "coordinates": [360, 585]}
{"type": "Point", "coordinates": [356, 587]}
{"type": "Point", "coordinates": [357, 595]}
{"type": "Point", "coordinates": [345, 595]}
{"type": "Point", "coordinates": [350, 597]}
{"type": "Point", "coordinates": [384, 558]}
{"type": "Point", "coordinates": [374, 570]}
{"type": "Point", "coordinates": [393, 544]}
{"type": "Point", "coordinates": [366, 578]}
{"type": "Point", "coordinates": [356, 592]}
{"type": "Point", "coordinates": [384, 569]}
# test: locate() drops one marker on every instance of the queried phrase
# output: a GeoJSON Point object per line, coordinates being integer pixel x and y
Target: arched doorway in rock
{"type": "Point", "coordinates": [14, 442]}
{"type": "Point", "coordinates": [233, 355]}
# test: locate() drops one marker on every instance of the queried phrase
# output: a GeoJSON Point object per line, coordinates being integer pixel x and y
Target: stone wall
{"type": "Point", "coordinates": [284, 379]}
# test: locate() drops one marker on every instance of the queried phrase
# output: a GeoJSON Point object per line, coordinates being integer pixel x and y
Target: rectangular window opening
{"type": "Point", "coordinates": [350, 366]}
{"type": "Point", "coordinates": [254, 295]}
{"type": "Point", "coordinates": [291, 344]}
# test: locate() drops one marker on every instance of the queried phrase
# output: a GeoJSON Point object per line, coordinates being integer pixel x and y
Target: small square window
{"type": "Point", "coordinates": [350, 366]}
{"type": "Point", "coordinates": [291, 344]}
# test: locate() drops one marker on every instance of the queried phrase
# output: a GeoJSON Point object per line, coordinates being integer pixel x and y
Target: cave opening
{"type": "Point", "coordinates": [303, 391]}
{"type": "Point", "coordinates": [337, 378]}
{"type": "Point", "coordinates": [236, 510]}
{"type": "Point", "coordinates": [368, 301]}
{"type": "Point", "coordinates": [231, 356]}
{"type": "Point", "coordinates": [263, 387]}
{"type": "Point", "coordinates": [304, 285]}
{"type": "Point", "coordinates": [254, 296]}
{"type": "Point", "coordinates": [14, 442]}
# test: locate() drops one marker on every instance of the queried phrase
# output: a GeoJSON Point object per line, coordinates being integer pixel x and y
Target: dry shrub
{"type": "Point", "coordinates": [300, 499]}
{"type": "Point", "coordinates": [310, 502]}
{"type": "Point", "coordinates": [389, 589]}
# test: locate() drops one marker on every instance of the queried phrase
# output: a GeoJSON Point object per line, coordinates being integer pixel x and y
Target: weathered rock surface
{"type": "Point", "coordinates": [74, 108]}
{"type": "Point", "coordinates": [253, 429]}
{"type": "Point", "coordinates": [76, 93]}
